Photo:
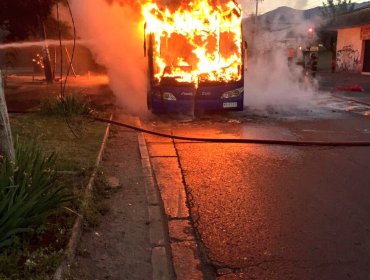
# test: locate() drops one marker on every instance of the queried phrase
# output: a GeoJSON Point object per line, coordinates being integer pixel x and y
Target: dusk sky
{"type": "Point", "coordinates": [268, 5]}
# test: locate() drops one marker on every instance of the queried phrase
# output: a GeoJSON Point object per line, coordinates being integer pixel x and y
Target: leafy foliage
{"type": "Point", "coordinates": [23, 18]}
{"type": "Point", "coordinates": [28, 194]}
{"type": "Point", "coordinates": [331, 10]}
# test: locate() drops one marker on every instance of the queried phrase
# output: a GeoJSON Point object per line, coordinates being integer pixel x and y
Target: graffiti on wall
{"type": "Point", "coordinates": [348, 59]}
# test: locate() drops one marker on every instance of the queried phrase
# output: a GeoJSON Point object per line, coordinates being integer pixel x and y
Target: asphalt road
{"type": "Point", "coordinates": [271, 212]}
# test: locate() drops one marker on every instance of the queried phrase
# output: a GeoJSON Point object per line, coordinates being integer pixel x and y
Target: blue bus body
{"type": "Point", "coordinates": [185, 98]}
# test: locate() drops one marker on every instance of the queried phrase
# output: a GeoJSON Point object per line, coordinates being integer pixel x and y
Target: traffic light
{"type": "Point", "coordinates": [310, 32]}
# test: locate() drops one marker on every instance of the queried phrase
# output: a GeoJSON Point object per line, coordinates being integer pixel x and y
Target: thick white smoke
{"type": "Point", "coordinates": [272, 81]}
{"type": "Point", "coordinates": [114, 33]}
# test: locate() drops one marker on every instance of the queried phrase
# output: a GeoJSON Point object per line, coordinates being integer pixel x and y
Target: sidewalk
{"type": "Point", "coordinates": [121, 246]}
{"type": "Point", "coordinates": [329, 81]}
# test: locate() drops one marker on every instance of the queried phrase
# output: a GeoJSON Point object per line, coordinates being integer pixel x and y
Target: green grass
{"type": "Point", "coordinates": [53, 134]}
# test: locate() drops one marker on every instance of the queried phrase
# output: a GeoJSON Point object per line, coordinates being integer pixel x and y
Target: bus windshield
{"type": "Point", "coordinates": [196, 44]}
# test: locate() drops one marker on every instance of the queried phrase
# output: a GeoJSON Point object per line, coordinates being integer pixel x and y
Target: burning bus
{"type": "Point", "coordinates": [195, 56]}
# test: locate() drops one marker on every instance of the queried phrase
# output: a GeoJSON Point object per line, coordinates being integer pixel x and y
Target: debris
{"type": "Point", "coordinates": [350, 88]}
{"type": "Point", "coordinates": [234, 121]}
{"type": "Point", "coordinates": [113, 182]}
{"type": "Point", "coordinates": [224, 271]}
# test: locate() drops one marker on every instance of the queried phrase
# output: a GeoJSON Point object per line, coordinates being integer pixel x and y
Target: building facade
{"type": "Point", "coordinates": [353, 42]}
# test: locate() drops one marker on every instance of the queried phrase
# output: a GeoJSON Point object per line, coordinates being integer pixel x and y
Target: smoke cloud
{"type": "Point", "coordinates": [249, 5]}
{"type": "Point", "coordinates": [301, 4]}
{"type": "Point", "coordinates": [272, 81]}
{"type": "Point", "coordinates": [114, 33]}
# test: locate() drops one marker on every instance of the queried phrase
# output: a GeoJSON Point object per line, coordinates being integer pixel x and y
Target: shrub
{"type": "Point", "coordinates": [65, 106]}
{"type": "Point", "coordinates": [28, 192]}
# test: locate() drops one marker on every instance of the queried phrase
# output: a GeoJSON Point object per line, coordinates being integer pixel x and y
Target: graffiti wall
{"type": "Point", "coordinates": [349, 50]}
{"type": "Point", "coordinates": [348, 59]}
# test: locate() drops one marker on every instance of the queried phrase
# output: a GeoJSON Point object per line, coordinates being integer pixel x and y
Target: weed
{"type": "Point", "coordinates": [28, 194]}
{"type": "Point", "coordinates": [65, 106]}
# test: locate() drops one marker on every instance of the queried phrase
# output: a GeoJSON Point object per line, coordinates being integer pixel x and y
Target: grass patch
{"type": "Point", "coordinates": [53, 134]}
{"type": "Point", "coordinates": [97, 205]}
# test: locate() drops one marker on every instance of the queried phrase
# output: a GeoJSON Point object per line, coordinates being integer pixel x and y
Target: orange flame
{"type": "Point", "coordinates": [195, 42]}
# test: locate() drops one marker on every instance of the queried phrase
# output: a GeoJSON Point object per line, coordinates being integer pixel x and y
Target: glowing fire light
{"type": "Point", "coordinates": [199, 41]}
{"type": "Point", "coordinates": [38, 61]}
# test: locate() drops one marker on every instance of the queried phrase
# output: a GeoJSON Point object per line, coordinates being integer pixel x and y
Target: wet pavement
{"type": "Point", "coordinates": [263, 212]}
{"type": "Point", "coordinates": [281, 213]}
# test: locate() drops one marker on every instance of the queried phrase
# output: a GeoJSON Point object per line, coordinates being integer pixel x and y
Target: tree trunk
{"type": "Point", "coordinates": [47, 65]}
{"type": "Point", "coordinates": [6, 140]}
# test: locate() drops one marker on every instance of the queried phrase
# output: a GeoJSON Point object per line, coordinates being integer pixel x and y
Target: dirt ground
{"type": "Point", "coordinates": [119, 248]}
{"type": "Point", "coordinates": [25, 93]}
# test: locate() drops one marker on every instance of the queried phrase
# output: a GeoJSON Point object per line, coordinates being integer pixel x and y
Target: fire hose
{"type": "Point", "coordinates": [238, 141]}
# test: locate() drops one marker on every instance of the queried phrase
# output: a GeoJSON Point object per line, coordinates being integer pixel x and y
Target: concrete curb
{"type": "Point", "coordinates": [184, 247]}
{"type": "Point", "coordinates": [64, 268]}
{"type": "Point", "coordinates": [161, 257]}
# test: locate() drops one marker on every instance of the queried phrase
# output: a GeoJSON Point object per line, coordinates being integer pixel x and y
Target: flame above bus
{"type": "Point", "coordinates": [198, 41]}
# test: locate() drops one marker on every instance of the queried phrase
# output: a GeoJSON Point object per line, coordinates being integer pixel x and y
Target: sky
{"type": "Point", "coordinates": [267, 5]}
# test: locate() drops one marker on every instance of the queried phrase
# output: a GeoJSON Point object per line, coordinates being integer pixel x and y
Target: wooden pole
{"type": "Point", "coordinates": [6, 140]}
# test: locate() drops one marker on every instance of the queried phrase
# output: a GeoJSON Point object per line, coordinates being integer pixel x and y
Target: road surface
{"type": "Point", "coordinates": [273, 212]}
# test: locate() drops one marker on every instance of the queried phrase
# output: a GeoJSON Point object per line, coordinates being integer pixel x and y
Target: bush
{"type": "Point", "coordinates": [28, 192]}
{"type": "Point", "coordinates": [65, 106]}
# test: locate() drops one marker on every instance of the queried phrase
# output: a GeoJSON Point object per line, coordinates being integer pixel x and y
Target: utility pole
{"type": "Point", "coordinates": [256, 16]}
{"type": "Point", "coordinates": [257, 4]}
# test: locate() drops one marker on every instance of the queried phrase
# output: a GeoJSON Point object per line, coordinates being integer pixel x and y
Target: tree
{"type": "Point", "coordinates": [3, 33]}
{"type": "Point", "coordinates": [331, 10]}
{"type": "Point", "coordinates": [23, 18]}
{"type": "Point", "coordinates": [31, 18]}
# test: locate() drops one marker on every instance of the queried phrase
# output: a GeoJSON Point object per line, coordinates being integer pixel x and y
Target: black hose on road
{"type": "Point", "coordinates": [240, 141]}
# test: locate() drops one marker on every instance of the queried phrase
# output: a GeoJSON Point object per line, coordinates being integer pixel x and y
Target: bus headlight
{"type": "Point", "coordinates": [169, 96]}
{"type": "Point", "coordinates": [232, 93]}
